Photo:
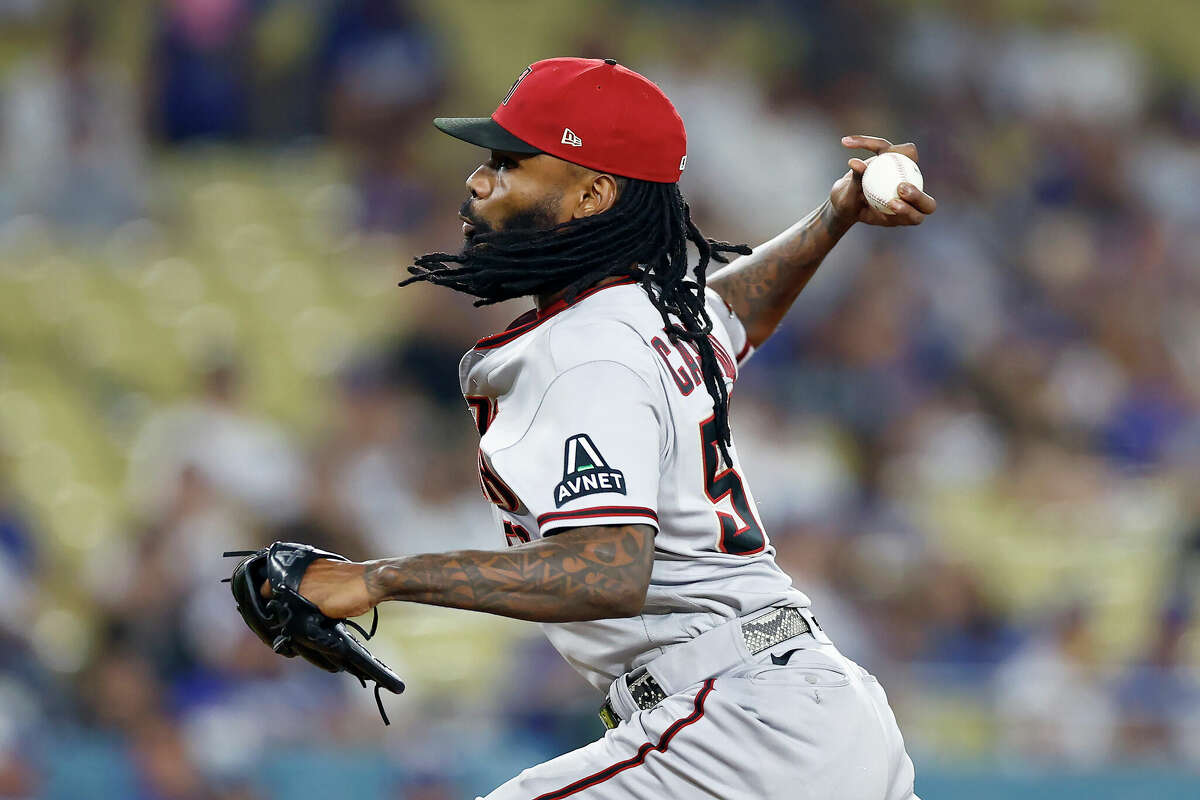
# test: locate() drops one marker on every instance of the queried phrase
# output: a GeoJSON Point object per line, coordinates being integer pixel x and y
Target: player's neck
{"type": "Point", "coordinates": [545, 301]}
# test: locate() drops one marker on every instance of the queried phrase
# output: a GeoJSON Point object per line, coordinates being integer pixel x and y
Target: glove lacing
{"type": "Point", "coordinates": [368, 637]}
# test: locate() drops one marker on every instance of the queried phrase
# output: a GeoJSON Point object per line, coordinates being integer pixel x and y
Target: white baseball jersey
{"type": "Point", "coordinates": [590, 415]}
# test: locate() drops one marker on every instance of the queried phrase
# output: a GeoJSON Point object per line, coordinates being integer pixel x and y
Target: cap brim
{"type": "Point", "coordinates": [484, 132]}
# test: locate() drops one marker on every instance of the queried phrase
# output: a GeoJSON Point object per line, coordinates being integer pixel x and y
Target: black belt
{"type": "Point", "coordinates": [761, 633]}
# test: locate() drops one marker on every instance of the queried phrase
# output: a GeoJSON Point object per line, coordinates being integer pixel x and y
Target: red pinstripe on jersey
{"type": "Point", "coordinates": [643, 751]}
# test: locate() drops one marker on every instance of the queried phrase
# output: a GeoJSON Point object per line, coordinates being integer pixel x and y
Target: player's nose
{"type": "Point", "coordinates": [479, 184]}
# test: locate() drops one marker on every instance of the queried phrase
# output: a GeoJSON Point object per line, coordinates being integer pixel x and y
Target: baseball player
{"type": "Point", "coordinates": [605, 451]}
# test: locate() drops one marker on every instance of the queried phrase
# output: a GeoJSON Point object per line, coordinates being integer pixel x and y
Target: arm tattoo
{"type": "Point", "coordinates": [597, 572]}
{"type": "Point", "coordinates": [760, 288]}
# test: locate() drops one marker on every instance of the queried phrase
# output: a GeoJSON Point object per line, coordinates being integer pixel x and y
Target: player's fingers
{"type": "Point", "coordinates": [872, 143]}
{"type": "Point", "coordinates": [904, 214]}
{"type": "Point", "coordinates": [872, 217]}
{"type": "Point", "coordinates": [858, 165]}
{"type": "Point", "coordinates": [908, 149]}
{"type": "Point", "coordinates": [917, 199]}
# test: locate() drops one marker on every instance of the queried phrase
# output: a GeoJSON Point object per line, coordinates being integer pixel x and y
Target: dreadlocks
{"type": "Point", "coordinates": [644, 236]}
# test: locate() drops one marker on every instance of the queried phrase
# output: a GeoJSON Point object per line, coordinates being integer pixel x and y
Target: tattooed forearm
{"type": "Point", "coordinates": [761, 287]}
{"type": "Point", "coordinates": [597, 572]}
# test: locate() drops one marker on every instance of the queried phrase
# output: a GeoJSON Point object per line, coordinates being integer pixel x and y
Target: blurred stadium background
{"type": "Point", "coordinates": [976, 445]}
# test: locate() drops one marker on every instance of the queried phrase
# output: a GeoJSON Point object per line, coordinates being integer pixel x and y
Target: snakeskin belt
{"type": "Point", "coordinates": [761, 633]}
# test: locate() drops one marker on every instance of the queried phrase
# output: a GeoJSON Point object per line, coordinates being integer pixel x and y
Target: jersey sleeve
{"type": "Point", "coordinates": [723, 315]}
{"type": "Point", "coordinates": [591, 455]}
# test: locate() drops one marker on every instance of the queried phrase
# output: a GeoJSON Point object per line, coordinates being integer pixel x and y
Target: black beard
{"type": "Point", "coordinates": [530, 256]}
{"type": "Point", "coordinates": [539, 217]}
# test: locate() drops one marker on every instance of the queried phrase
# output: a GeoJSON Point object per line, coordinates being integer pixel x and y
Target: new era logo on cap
{"type": "Point", "coordinates": [569, 137]}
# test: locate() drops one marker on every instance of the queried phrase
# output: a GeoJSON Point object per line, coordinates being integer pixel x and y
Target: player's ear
{"type": "Point", "coordinates": [599, 194]}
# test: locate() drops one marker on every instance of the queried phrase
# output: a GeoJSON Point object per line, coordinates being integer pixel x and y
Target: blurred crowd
{"type": "Point", "coordinates": [975, 445]}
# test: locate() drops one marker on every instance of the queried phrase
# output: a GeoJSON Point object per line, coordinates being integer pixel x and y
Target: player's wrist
{"type": "Point", "coordinates": [379, 579]}
{"type": "Point", "coordinates": [355, 576]}
{"type": "Point", "coordinates": [840, 212]}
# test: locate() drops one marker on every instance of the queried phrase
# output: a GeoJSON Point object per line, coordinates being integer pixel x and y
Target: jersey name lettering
{"type": "Point", "coordinates": [690, 375]}
{"type": "Point", "coordinates": [686, 377]}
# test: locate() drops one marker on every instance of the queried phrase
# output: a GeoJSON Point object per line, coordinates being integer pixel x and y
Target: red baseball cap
{"type": "Point", "coordinates": [589, 111]}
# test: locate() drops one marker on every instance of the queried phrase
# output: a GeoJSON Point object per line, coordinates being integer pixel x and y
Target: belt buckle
{"type": "Point", "coordinates": [644, 690]}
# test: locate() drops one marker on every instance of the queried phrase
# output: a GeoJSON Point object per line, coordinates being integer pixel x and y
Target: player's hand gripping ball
{"type": "Point", "coordinates": [883, 176]}
{"type": "Point", "coordinates": [886, 189]}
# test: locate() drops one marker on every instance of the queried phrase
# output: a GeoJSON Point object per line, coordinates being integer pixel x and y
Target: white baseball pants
{"type": "Point", "coordinates": [816, 728]}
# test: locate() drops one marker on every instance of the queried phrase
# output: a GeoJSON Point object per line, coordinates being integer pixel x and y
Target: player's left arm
{"type": "Point", "coordinates": [761, 287]}
{"type": "Point", "coordinates": [584, 573]}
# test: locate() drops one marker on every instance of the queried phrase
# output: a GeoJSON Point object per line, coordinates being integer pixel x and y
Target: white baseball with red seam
{"type": "Point", "coordinates": [883, 176]}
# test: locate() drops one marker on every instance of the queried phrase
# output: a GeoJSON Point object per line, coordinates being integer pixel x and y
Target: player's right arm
{"type": "Point", "coordinates": [761, 287]}
{"type": "Point", "coordinates": [593, 572]}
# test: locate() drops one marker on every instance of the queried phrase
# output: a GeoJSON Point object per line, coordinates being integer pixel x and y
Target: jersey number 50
{"type": "Point", "coordinates": [747, 538]}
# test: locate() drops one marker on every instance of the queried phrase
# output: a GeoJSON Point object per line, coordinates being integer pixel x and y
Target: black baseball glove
{"type": "Point", "coordinates": [292, 626]}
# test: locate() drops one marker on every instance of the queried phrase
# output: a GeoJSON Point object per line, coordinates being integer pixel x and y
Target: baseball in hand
{"type": "Point", "coordinates": [883, 176]}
